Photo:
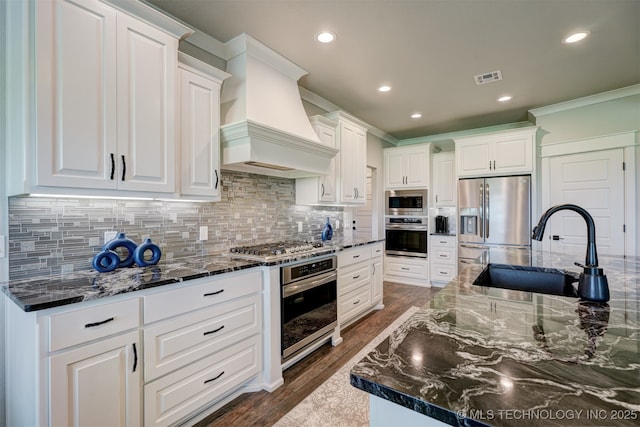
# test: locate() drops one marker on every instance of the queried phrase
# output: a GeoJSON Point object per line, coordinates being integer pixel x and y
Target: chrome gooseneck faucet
{"type": "Point", "coordinates": [593, 284]}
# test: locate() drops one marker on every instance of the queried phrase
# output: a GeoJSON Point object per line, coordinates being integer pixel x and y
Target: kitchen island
{"type": "Point", "coordinates": [479, 356]}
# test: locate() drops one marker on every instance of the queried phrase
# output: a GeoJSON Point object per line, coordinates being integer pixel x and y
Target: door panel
{"type": "Point", "coordinates": [508, 210]}
{"type": "Point", "coordinates": [594, 181]}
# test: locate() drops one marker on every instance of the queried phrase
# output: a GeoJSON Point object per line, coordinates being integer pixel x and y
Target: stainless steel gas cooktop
{"type": "Point", "coordinates": [277, 251]}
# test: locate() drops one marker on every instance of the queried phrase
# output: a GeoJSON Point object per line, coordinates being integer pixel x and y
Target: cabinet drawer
{"type": "Point", "coordinates": [354, 255]}
{"type": "Point", "coordinates": [179, 394]}
{"type": "Point", "coordinates": [79, 326]}
{"type": "Point", "coordinates": [172, 344]}
{"type": "Point", "coordinates": [199, 293]}
{"type": "Point", "coordinates": [353, 277]}
{"type": "Point", "coordinates": [354, 303]}
{"type": "Point", "coordinates": [409, 269]}
{"type": "Point", "coordinates": [443, 255]}
{"type": "Point", "coordinates": [377, 250]}
{"type": "Point", "coordinates": [443, 241]}
{"type": "Point", "coordinates": [442, 272]}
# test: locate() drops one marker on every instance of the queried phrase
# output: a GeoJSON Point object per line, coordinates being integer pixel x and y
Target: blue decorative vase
{"type": "Point", "coordinates": [147, 246]}
{"type": "Point", "coordinates": [327, 231]}
{"type": "Point", "coordinates": [106, 261]}
{"type": "Point", "coordinates": [121, 241]}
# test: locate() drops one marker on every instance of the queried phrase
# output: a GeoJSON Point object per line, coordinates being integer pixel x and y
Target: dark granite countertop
{"type": "Point", "coordinates": [47, 292]}
{"type": "Point", "coordinates": [477, 356]}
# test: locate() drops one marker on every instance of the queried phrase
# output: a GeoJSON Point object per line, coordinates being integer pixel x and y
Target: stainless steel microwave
{"type": "Point", "coordinates": [406, 202]}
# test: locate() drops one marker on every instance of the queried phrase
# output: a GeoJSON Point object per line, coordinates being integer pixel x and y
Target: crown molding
{"type": "Point", "coordinates": [587, 100]}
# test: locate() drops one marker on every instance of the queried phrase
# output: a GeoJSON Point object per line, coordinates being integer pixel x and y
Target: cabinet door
{"type": "Point", "coordinates": [360, 167]}
{"type": "Point", "coordinates": [199, 135]}
{"type": "Point", "coordinates": [393, 169]}
{"type": "Point", "coordinates": [327, 183]}
{"type": "Point", "coordinates": [417, 167]}
{"type": "Point", "coordinates": [473, 159]}
{"type": "Point", "coordinates": [76, 94]}
{"type": "Point", "coordinates": [377, 279]}
{"type": "Point", "coordinates": [147, 67]}
{"type": "Point", "coordinates": [97, 384]}
{"type": "Point", "coordinates": [514, 155]}
{"type": "Point", "coordinates": [444, 179]}
{"type": "Point", "coordinates": [348, 162]}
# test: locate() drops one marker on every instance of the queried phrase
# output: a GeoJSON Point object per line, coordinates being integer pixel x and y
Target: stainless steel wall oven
{"type": "Point", "coordinates": [406, 236]}
{"type": "Point", "coordinates": [309, 303]}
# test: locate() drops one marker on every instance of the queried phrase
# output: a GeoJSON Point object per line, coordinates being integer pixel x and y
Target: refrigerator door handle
{"type": "Point", "coordinates": [472, 246]}
{"type": "Point", "coordinates": [487, 211]}
{"type": "Point", "coordinates": [481, 212]}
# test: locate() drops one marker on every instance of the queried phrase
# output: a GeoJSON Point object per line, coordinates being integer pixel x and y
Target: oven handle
{"type": "Point", "coordinates": [306, 284]}
{"type": "Point", "coordinates": [406, 227]}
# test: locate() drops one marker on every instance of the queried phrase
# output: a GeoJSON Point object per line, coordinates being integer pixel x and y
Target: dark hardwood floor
{"type": "Point", "coordinates": [264, 409]}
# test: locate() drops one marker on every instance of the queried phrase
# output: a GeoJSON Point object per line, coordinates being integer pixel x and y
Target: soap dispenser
{"type": "Point", "coordinates": [327, 231]}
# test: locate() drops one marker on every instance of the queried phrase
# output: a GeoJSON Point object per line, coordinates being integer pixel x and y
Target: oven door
{"type": "Point", "coordinates": [309, 311]}
{"type": "Point", "coordinates": [406, 241]}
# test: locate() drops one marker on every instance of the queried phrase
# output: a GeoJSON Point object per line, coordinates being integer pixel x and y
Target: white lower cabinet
{"type": "Point", "coordinates": [200, 350]}
{"type": "Point", "coordinates": [185, 391]}
{"type": "Point", "coordinates": [359, 283]}
{"type": "Point", "coordinates": [97, 384]}
{"type": "Point", "coordinates": [159, 356]}
{"type": "Point", "coordinates": [443, 265]}
{"type": "Point", "coordinates": [407, 270]}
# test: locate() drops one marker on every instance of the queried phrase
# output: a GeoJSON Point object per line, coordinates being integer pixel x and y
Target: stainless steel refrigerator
{"type": "Point", "coordinates": [493, 211]}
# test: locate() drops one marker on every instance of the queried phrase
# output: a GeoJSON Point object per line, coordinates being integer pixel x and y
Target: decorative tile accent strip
{"type": "Point", "coordinates": [50, 235]}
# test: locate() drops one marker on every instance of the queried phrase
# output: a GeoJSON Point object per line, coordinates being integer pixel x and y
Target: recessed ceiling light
{"type": "Point", "coordinates": [576, 37]}
{"type": "Point", "coordinates": [416, 115]}
{"type": "Point", "coordinates": [384, 88]}
{"type": "Point", "coordinates": [504, 98]}
{"type": "Point", "coordinates": [325, 37]}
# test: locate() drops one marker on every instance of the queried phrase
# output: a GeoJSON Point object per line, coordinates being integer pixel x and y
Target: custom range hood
{"type": "Point", "coordinates": [265, 129]}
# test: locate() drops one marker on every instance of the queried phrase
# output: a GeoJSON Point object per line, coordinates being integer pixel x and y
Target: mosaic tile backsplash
{"type": "Point", "coordinates": [49, 236]}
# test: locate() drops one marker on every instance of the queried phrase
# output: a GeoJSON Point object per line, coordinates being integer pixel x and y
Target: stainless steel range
{"type": "Point", "coordinates": [308, 291]}
{"type": "Point", "coordinates": [279, 251]}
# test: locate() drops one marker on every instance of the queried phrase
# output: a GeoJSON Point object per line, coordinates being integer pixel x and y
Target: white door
{"type": "Point", "coordinates": [76, 49]}
{"type": "Point", "coordinates": [147, 79]}
{"type": "Point", "coordinates": [594, 181]}
{"type": "Point", "coordinates": [364, 214]}
{"type": "Point", "coordinates": [97, 384]}
{"type": "Point", "coordinates": [199, 124]}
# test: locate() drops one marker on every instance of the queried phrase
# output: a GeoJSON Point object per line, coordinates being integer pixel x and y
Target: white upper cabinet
{"type": "Point", "coordinates": [320, 189]}
{"type": "Point", "coordinates": [499, 153]}
{"type": "Point", "coordinates": [105, 95]}
{"type": "Point", "coordinates": [444, 186]}
{"type": "Point", "coordinates": [147, 75]}
{"type": "Point", "coordinates": [351, 139]}
{"type": "Point", "coordinates": [406, 167]}
{"type": "Point", "coordinates": [199, 127]}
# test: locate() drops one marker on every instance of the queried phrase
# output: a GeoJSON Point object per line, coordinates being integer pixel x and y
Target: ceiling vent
{"type": "Point", "coordinates": [492, 76]}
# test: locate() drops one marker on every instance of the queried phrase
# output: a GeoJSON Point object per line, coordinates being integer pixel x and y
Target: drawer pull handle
{"type": "Point", "coordinates": [356, 276]}
{"type": "Point", "coordinates": [214, 331]}
{"type": "Point", "coordinates": [91, 325]}
{"type": "Point", "coordinates": [443, 256]}
{"type": "Point", "coordinates": [443, 242]}
{"type": "Point", "coordinates": [135, 357]}
{"type": "Point", "coordinates": [444, 273]}
{"type": "Point", "coordinates": [214, 293]}
{"type": "Point", "coordinates": [213, 379]}
{"type": "Point", "coordinates": [405, 268]}
{"type": "Point", "coordinates": [356, 256]}
{"type": "Point", "coordinates": [357, 302]}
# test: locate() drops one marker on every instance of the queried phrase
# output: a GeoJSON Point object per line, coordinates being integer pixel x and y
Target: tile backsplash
{"type": "Point", "coordinates": [48, 236]}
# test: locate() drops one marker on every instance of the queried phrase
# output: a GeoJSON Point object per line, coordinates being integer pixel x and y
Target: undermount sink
{"type": "Point", "coordinates": [529, 279]}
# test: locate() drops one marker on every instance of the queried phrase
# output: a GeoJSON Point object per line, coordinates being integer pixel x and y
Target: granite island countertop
{"type": "Point", "coordinates": [485, 356]}
{"type": "Point", "coordinates": [75, 287]}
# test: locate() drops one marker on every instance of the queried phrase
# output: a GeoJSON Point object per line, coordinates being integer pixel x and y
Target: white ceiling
{"type": "Point", "coordinates": [429, 51]}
